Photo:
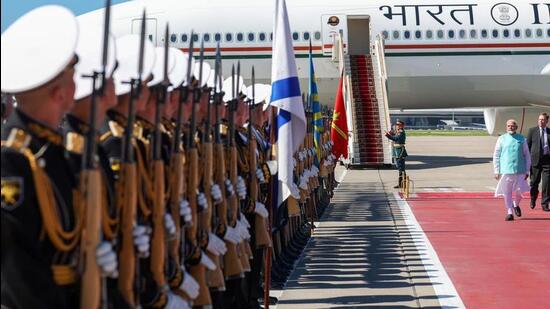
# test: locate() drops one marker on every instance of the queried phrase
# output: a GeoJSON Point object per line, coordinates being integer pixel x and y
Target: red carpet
{"type": "Point", "coordinates": [492, 263]}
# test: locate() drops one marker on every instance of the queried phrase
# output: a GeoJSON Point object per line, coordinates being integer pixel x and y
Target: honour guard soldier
{"type": "Point", "coordinates": [41, 207]}
{"type": "Point", "coordinates": [398, 137]}
{"type": "Point", "coordinates": [94, 94]}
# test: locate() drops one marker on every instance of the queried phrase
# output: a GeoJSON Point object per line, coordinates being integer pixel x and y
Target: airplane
{"type": "Point", "coordinates": [438, 53]}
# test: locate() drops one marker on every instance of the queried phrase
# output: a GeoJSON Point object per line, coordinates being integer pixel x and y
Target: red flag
{"type": "Point", "coordinates": [339, 127]}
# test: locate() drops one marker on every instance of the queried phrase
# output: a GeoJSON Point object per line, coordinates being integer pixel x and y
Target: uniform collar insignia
{"type": "Point", "coordinates": [39, 130]}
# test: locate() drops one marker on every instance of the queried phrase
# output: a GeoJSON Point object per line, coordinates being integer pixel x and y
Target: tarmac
{"type": "Point", "coordinates": [370, 251]}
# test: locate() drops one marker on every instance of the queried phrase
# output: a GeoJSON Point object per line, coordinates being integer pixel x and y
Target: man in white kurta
{"type": "Point", "coordinates": [512, 163]}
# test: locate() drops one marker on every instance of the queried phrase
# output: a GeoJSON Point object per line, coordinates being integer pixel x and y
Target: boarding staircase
{"type": "Point", "coordinates": [367, 107]}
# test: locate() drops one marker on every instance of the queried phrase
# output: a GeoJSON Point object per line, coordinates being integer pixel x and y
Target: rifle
{"type": "Point", "coordinates": [158, 240]}
{"type": "Point", "coordinates": [214, 277]}
{"type": "Point", "coordinates": [128, 279]}
{"type": "Point", "coordinates": [196, 232]}
{"type": "Point", "coordinates": [93, 287]}
{"type": "Point", "coordinates": [233, 264]}
{"type": "Point", "coordinates": [263, 240]}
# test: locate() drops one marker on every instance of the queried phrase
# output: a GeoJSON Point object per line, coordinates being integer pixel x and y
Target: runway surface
{"type": "Point", "coordinates": [448, 246]}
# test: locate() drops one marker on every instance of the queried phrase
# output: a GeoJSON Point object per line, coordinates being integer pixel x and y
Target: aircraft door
{"type": "Point", "coordinates": [332, 24]}
{"type": "Point", "coordinates": [150, 28]}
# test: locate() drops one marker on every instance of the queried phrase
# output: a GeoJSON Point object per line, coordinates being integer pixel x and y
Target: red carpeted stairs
{"type": "Point", "coordinates": [368, 133]}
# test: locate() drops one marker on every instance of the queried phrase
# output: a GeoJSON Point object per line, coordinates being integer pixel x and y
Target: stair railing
{"type": "Point", "coordinates": [381, 88]}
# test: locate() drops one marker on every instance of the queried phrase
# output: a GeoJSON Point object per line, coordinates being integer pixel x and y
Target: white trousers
{"type": "Point", "coordinates": [510, 184]}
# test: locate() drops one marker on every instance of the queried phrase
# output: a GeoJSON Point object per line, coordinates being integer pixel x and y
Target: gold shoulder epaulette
{"type": "Point", "coordinates": [116, 129]}
{"type": "Point", "coordinates": [74, 142]}
{"type": "Point", "coordinates": [17, 139]}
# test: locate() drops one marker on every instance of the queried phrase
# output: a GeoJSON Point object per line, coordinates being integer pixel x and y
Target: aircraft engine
{"type": "Point", "coordinates": [495, 118]}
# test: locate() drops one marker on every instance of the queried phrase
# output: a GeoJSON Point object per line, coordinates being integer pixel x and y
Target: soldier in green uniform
{"type": "Point", "coordinates": [399, 137]}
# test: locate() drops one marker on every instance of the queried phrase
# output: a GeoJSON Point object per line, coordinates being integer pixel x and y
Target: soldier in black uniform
{"type": "Point", "coordinates": [40, 226]}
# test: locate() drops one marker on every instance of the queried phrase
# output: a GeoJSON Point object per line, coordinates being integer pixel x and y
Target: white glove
{"type": "Point", "coordinates": [216, 193]}
{"type": "Point", "coordinates": [189, 285]}
{"type": "Point", "coordinates": [241, 188]}
{"type": "Point", "coordinates": [301, 156]}
{"type": "Point", "coordinates": [232, 235]}
{"type": "Point", "coordinates": [206, 261]}
{"type": "Point", "coordinates": [294, 162]}
{"type": "Point", "coordinates": [216, 246]}
{"type": "Point", "coordinates": [294, 191]}
{"type": "Point", "coordinates": [242, 218]}
{"type": "Point", "coordinates": [106, 259]}
{"type": "Point", "coordinates": [201, 201]}
{"type": "Point", "coordinates": [261, 210]}
{"type": "Point", "coordinates": [303, 182]}
{"type": "Point", "coordinates": [229, 188]}
{"type": "Point", "coordinates": [185, 211]}
{"type": "Point", "coordinates": [169, 225]}
{"type": "Point", "coordinates": [141, 240]}
{"type": "Point", "coordinates": [243, 230]}
{"type": "Point", "coordinates": [175, 302]}
{"type": "Point", "coordinates": [260, 175]}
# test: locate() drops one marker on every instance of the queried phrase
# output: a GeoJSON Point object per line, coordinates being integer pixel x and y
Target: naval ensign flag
{"type": "Point", "coordinates": [286, 95]}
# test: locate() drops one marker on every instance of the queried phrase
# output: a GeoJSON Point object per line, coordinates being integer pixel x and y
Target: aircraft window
{"type": "Point", "coordinates": [418, 34]}
{"type": "Point", "coordinates": [484, 33]}
{"type": "Point", "coordinates": [462, 33]}
{"type": "Point", "coordinates": [271, 36]}
{"type": "Point", "coordinates": [173, 38]}
{"type": "Point", "coordinates": [506, 33]}
{"type": "Point", "coordinates": [517, 33]}
{"type": "Point", "coordinates": [548, 32]}
{"type": "Point", "coordinates": [217, 37]}
{"type": "Point", "coordinates": [396, 35]}
{"type": "Point", "coordinates": [251, 36]}
{"type": "Point", "coordinates": [261, 36]}
{"type": "Point", "coordinates": [228, 37]}
{"type": "Point", "coordinates": [150, 37]}
{"type": "Point", "coordinates": [317, 35]}
{"type": "Point", "coordinates": [528, 33]}
{"type": "Point", "coordinates": [440, 34]}
{"type": "Point", "coordinates": [407, 34]}
{"type": "Point", "coordinates": [306, 36]}
{"type": "Point", "coordinates": [429, 34]}
{"type": "Point", "coordinates": [539, 33]}
{"type": "Point", "coordinates": [240, 37]}
{"type": "Point", "coordinates": [451, 34]}
{"type": "Point", "coordinates": [495, 33]}
{"type": "Point", "coordinates": [295, 36]}
{"type": "Point", "coordinates": [385, 34]}
{"type": "Point", "coordinates": [184, 37]}
{"type": "Point", "coordinates": [206, 37]}
{"type": "Point", "coordinates": [195, 37]}
{"type": "Point", "coordinates": [473, 33]}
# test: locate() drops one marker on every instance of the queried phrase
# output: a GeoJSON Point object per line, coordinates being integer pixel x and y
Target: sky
{"type": "Point", "coordinates": [13, 9]}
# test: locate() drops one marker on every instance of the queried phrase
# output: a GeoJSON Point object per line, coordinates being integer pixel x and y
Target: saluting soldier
{"type": "Point", "coordinates": [41, 209]}
{"type": "Point", "coordinates": [399, 137]}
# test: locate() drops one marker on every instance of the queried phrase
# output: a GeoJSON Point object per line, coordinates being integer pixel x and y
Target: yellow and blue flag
{"type": "Point", "coordinates": [315, 107]}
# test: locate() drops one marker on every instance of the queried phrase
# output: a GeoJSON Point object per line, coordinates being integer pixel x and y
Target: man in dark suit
{"type": "Point", "coordinates": [538, 140]}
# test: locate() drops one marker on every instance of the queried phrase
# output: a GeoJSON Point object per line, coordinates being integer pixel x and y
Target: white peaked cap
{"type": "Point", "coordinates": [178, 74]}
{"type": "Point", "coordinates": [205, 72]}
{"type": "Point", "coordinates": [211, 82]}
{"type": "Point", "coordinates": [90, 56]}
{"type": "Point", "coordinates": [127, 57]}
{"type": "Point", "coordinates": [260, 92]}
{"type": "Point", "coordinates": [227, 87]}
{"type": "Point", "coordinates": [158, 68]}
{"type": "Point", "coordinates": [37, 47]}
{"type": "Point", "coordinates": [267, 100]}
